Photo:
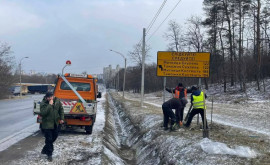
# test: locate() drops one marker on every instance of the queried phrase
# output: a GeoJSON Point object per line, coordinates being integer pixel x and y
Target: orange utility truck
{"type": "Point", "coordinates": [78, 95]}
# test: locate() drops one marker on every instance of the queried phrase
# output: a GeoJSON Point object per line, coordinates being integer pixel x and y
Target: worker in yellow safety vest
{"type": "Point", "coordinates": [198, 103]}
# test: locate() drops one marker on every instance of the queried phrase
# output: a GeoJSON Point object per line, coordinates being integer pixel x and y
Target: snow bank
{"type": "Point", "coordinates": [72, 146]}
{"type": "Point", "coordinates": [114, 158]}
{"type": "Point", "coordinates": [100, 116]}
{"type": "Point", "coordinates": [211, 147]}
{"type": "Point", "coordinates": [12, 139]}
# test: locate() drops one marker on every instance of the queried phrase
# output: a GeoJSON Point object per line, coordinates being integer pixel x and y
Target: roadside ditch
{"type": "Point", "coordinates": [133, 136]}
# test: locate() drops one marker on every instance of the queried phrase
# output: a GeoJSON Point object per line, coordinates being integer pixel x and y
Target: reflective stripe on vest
{"type": "Point", "coordinates": [198, 102]}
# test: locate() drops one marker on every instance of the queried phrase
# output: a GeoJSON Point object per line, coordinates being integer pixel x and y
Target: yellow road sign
{"type": "Point", "coordinates": [78, 108]}
{"type": "Point", "coordinates": [183, 64]}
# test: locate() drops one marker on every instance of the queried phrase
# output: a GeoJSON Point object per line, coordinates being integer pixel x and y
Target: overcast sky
{"type": "Point", "coordinates": [50, 32]}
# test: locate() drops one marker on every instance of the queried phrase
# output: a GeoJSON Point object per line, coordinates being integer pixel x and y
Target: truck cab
{"type": "Point", "coordinates": [78, 94]}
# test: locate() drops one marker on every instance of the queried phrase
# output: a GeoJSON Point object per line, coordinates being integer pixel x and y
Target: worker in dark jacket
{"type": "Point", "coordinates": [180, 93]}
{"type": "Point", "coordinates": [198, 103]}
{"type": "Point", "coordinates": [178, 102]}
{"type": "Point", "coordinates": [52, 114]}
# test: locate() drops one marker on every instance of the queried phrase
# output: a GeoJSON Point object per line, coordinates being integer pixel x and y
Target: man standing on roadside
{"type": "Point", "coordinates": [52, 114]}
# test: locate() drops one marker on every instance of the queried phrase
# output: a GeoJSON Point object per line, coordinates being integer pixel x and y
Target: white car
{"type": "Point", "coordinates": [16, 90]}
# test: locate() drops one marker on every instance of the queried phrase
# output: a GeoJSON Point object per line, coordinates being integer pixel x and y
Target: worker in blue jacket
{"type": "Point", "coordinates": [198, 103]}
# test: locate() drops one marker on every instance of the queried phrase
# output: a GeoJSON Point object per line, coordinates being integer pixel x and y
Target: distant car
{"type": "Point", "coordinates": [16, 90]}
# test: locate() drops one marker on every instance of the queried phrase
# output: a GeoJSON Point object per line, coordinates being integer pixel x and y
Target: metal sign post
{"type": "Point", "coordinates": [205, 130]}
{"type": "Point", "coordinates": [200, 88]}
{"type": "Point", "coordinates": [164, 89]}
{"type": "Point", "coordinates": [212, 109]}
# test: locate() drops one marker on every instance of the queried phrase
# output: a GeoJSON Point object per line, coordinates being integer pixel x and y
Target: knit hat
{"type": "Point", "coordinates": [180, 85]}
{"type": "Point", "coordinates": [193, 88]}
{"type": "Point", "coordinates": [48, 94]}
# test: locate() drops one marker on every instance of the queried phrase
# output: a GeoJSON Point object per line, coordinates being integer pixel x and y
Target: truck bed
{"type": "Point", "coordinates": [70, 108]}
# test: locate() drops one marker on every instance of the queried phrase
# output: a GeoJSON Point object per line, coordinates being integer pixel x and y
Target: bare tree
{"type": "Point", "coordinates": [6, 63]}
{"type": "Point", "coordinates": [136, 54]}
{"type": "Point", "coordinates": [39, 78]}
{"type": "Point", "coordinates": [174, 36]}
{"type": "Point", "coordinates": [194, 35]}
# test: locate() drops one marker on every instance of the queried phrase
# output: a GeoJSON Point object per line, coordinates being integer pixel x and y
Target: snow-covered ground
{"type": "Point", "coordinates": [125, 133]}
{"type": "Point", "coordinates": [246, 111]}
{"type": "Point", "coordinates": [73, 146]}
{"type": "Point", "coordinates": [227, 145]}
{"type": "Point", "coordinates": [76, 147]}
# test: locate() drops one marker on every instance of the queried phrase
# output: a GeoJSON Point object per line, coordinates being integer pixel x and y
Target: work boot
{"type": "Point", "coordinates": [185, 125]}
{"type": "Point", "coordinates": [166, 128]}
{"type": "Point", "coordinates": [174, 127]}
{"type": "Point", "coordinates": [50, 158]}
{"type": "Point", "coordinates": [43, 152]}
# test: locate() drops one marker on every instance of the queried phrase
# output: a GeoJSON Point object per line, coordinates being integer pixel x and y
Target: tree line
{"type": "Point", "coordinates": [9, 74]}
{"type": "Point", "coordinates": [235, 32]}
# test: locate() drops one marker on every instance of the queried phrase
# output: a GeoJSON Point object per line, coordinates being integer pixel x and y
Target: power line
{"type": "Point", "coordinates": [164, 20]}
{"type": "Point", "coordinates": [154, 19]}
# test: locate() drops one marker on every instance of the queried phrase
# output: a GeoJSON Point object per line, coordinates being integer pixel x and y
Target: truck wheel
{"type": "Point", "coordinates": [94, 118]}
{"type": "Point", "coordinates": [89, 129]}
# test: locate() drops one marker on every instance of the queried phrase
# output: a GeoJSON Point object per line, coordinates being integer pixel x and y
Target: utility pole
{"type": "Point", "coordinates": [143, 59]}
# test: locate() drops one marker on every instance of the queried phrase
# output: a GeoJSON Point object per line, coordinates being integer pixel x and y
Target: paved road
{"type": "Point", "coordinates": [16, 115]}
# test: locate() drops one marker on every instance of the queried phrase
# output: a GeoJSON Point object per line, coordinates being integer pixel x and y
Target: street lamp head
{"type": "Point", "coordinates": [26, 57]}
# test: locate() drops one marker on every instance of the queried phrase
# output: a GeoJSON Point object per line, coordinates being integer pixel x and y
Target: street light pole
{"type": "Point", "coordinates": [124, 70]}
{"type": "Point", "coordinates": [21, 75]}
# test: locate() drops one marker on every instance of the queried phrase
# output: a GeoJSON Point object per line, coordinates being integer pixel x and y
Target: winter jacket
{"type": "Point", "coordinates": [175, 103]}
{"type": "Point", "coordinates": [51, 114]}
{"type": "Point", "coordinates": [183, 91]}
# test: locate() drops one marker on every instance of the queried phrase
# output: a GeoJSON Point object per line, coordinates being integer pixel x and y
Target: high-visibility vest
{"type": "Point", "coordinates": [177, 93]}
{"type": "Point", "coordinates": [198, 102]}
